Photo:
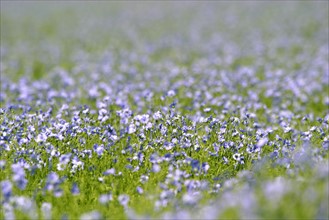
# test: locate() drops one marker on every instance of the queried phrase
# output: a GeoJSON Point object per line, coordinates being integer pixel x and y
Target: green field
{"type": "Point", "coordinates": [164, 110]}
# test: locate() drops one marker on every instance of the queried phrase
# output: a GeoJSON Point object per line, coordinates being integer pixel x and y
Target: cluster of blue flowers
{"type": "Point", "coordinates": [193, 131]}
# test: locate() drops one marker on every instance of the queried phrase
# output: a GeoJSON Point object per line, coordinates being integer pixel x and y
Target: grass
{"type": "Point", "coordinates": [223, 83]}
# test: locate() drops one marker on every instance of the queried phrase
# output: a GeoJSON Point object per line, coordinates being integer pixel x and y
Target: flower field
{"type": "Point", "coordinates": [164, 110]}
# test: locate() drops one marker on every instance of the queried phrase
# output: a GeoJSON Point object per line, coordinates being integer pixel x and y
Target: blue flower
{"type": "Point", "coordinates": [52, 184]}
{"type": "Point", "coordinates": [6, 188]}
{"type": "Point", "coordinates": [123, 199]}
{"type": "Point", "coordinates": [105, 198]}
{"type": "Point", "coordinates": [46, 210]}
{"type": "Point", "coordinates": [99, 149]}
{"type": "Point", "coordinates": [156, 168]}
{"type": "Point", "coordinates": [19, 176]}
{"type": "Point", "coordinates": [93, 215]}
{"type": "Point", "coordinates": [139, 190]}
{"type": "Point", "coordinates": [205, 167]}
{"type": "Point", "coordinates": [195, 165]}
{"type": "Point", "coordinates": [109, 172]}
{"type": "Point", "coordinates": [75, 189]}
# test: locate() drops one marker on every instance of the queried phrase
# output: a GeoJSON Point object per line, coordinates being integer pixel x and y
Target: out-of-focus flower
{"type": "Point", "coordinates": [262, 142]}
{"type": "Point", "coordinates": [75, 189]}
{"type": "Point", "coordinates": [6, 188]}
{"type": "Point", "coordinates": [93, 215]}
{"type": "Point", "coordinates": [41, 138]}
{"type": "Point", "coordinates": [52, 184]}
{"type": "Point", "coordinates": [99, 149]}
{"type": "Point", "coordinates": [19, 176]}
{"type": "Point", "coordinates": [109, 172]}
{"type": "Point", "coordinates": [105, 198]}
{"type": "Point", "coordinates": [46, 210]}
{"type": "Point", "coordinates": [2, 164]}
{"type": "Point", "coordinates": [26, 205]}
{"type": "Point", "coordinates": [131, 128]}
{"type": "Point", "coordinates": [139, 190]}
{"type": "Point", "coordinates": [171, 93]}
{"type": "Point", "coordinates": [156, 168]}
{"type": "Point", "coordinates": [123, 199]}
{"type": "Point", "coordinates": [157, 115]}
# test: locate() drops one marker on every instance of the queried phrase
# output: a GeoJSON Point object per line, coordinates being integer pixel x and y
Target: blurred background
{"type": "Point", "coordinates": [53, 33]}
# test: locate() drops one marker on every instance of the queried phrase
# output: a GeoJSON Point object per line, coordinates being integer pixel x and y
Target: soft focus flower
{"type": "Point", "coordinates": [6, 188]}
{"type": "Point", "coordinates": [105, 198]}
{"type": "Point", "coordinates": [139, 190]}
{"type": "Point", "coordinates": [19, 176]}
{"type": "Point", "coordinates": [46, 210]}
{"type": "Point", "coordinates": [156, 168]}
{"type": "Point", "coordinates": [123, 199]}
{"type": "Point", "coordinates": [2, 164]}
{"type": "Point", "coordinates": [93, 215]}
{"type": "Point", "coordinates": [75, 189]}
{"type": "Point", "coordinates": [99, 149]}
{"type": "Point", "coordinates": [109, 172]}
{"type": "Point", "coordinates": [131, 128]}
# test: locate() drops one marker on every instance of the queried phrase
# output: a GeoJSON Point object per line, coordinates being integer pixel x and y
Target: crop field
{"type": "Point", "coordinates": [164, 110]}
